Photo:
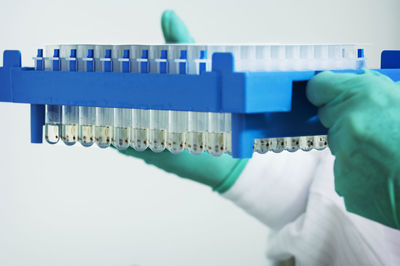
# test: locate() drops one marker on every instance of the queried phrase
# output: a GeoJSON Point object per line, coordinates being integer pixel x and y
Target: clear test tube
{"type": "Point", "coordinates": [277, 144]}
{"type": "Point", "coordinates": [228, 133]}
{"type": "Point", "coordinates": [70, 114]}
{"type": "Point", "coordinates": [260, 146]}
{"type": "Point", "coordinates": [87, 115]}
{"type": "Point", "coordinates": [292, 144]}
{"type": "Point", "coordinates": [157, 139]}
{"type": "Point", "coordinates": [141, 124]}
{"type": "Point", "coordinates": [52, 112]}
{"type": "Point", "coordinates": [104, 133]}
{"type": "Point", "coordinates": [320, 142]}
{"type": "Point", "coordinates": [307, 143]}
{"type": "Point", "coordinates": [123, 116]}
{"type": "Point", "coordinates": [177, 120]}
{"type": "Point", "coordinates": [215, 134]}
{"type": "Point", "coordinates": [141, 117]}
{"type": "Point", "coordinates": [197, 121]}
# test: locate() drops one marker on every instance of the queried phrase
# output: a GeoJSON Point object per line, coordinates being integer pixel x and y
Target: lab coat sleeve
{"type": "Point", "coordinates": [296, 197]}
{"type": "Point", "coordinates": [274, 187]}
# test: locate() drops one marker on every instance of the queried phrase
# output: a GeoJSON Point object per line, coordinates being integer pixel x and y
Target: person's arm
{"type": "Point", "coordinates": [272, 187]}
{"type": "Point", "coordinates": [362, 112]}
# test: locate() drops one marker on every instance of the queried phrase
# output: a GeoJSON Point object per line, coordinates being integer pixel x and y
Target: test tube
{"type": "Point", "coordinates": [87, 115]}
{"type": "Point", "coordinates": [159, 118]}
{"type": "Point", "coordinates": [177, 120]}
{"type": "Point", "coordinates": [104, 133]}
{"type": "Point", "coordinates": [320, 142]}
{"type": "Point", "coordinates": [123, 116]}
{"type": "Point", "coordinates": [228, 133]}
{"type": "Point", "coordinates": [260, 146]}
{"type": "Point", "coordinates": [292, 144]}
{"type": "Point", "coordinates": [306, 143]}
{"type": "Point", "coordinates": [52, 112]}
{"type": "Point", "coordinates": [215, 134]}
{"type": "Point", "coordinates": [141, 117]}
{"type": "Point", "coordinates": [277, 144]}
{"type": "Point", "coordinates": [70, 114]}
{"type": "Point", "coordinates": [197, 121]}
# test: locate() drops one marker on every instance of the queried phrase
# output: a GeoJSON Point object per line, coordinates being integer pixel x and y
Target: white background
{"type": "Point", "coordinates": [76, 206]}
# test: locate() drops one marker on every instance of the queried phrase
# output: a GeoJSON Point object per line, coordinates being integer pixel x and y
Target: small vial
{"type": "Point", "coordinates": [215, 135]}
{"type": "Point", "coordinates": [70, 114]}
{"type": "Point", "coordinates": [123, 116]}
{"type": "Point", "coordinates": [53, 112]}
{"type": "Point", "coordinates": [307, 143]}
{"type": "Point", "coordinates": [320, 142]}
{"type": "Point", "coordinates": [104, 132]}
{"type": "Point", "coordinates": [141, 123]}
{"type": "Point", "coordinates": [195, 141]}
{"type": "Point", "coordinates": [177, 119]}
{"type": "Point", "coordinates": [260, 146]}
{"type": "Point", "coordinates": [278, 145]}
{"type": "Point", "coordinates": [87, 115]}
{"type": "Point", "coordinates": [122, 128]}
{"type": "Point", "coordinates": [195, 137]}
{"type": "Point", "coordinates": [228, 133]}
{"type": "Point", "coordinates": [176, 131]}
{"type": "Point", "coordinates": [157, 135]}
{"type": "Point", "coordinates": [292, 144]}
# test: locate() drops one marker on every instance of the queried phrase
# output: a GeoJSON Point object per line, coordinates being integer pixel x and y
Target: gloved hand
{"type": "Point", "coordinates": [220, 173]}
{"type": "Point", "coordinates": [362, 112]}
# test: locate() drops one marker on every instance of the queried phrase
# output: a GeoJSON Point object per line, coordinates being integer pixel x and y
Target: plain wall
{"type": "Point", "coordinates": [74, 206]}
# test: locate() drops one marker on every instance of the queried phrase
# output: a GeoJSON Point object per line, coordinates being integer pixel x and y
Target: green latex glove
{"type": "Point", "coordinates": [362, 113]}
{"type": "Point", "coordinates": [220, 173]}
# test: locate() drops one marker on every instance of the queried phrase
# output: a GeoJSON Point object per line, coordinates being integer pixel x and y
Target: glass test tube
{"type": "Point", "coordinates": [123, 116]}
{"type": "Point", "coordinates": [159, 118]}
{"type": "Point", "coordinates": [70, 114]}
{"type": "Point", "coordinates": [104, 133]}
{"type": "Point", "coordinates": [215, 134]}
{"type": "Point", "coordinates": [141, 117]}
{"type": "Point", "coordinates": [260, 145]}
{"type": "Point", "coordinates": [177, 120]}
{"type": "Point", "coordinates": [307, 143]}
{"type": "Point", "coordinates": [292, 144]}
{"type": "Point", "coordinates": [87, 115]}
{"type": "Point", "coordinates": [320, 142]}
{"type": "Point", "coordinates": [277, 144]}
{"type": "Point", "coordinates": [53, 112]}
{"type": "Point", "coordinates": [197, 121]}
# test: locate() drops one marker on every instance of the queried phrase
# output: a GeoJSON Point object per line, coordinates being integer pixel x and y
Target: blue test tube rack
{"type": "Point", "coordinates": [263, 104]}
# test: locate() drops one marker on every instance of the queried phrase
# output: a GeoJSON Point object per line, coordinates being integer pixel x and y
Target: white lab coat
{"type": "Point", "coordinates": [293, 194]}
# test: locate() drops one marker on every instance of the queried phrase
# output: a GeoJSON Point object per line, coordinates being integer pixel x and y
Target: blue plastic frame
{"type": "Point", "coordinates": [263, 104]}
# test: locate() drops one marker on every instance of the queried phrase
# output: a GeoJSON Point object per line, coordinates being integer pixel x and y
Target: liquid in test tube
{"type": "Point", "coordinates": [157, 134]}
{"type": "Point", "coordinates": [177, 120]}
{"type": "Point", "coordinates": [70, 114]}
{"type": "Point", "coordinates": [307, 143]}
{"type": "Point", "coordinates": [123, 116]}
{"type": "Point", "coordinates": [277, 144]}
{"type": "Point", "coordinates": [104, 133]}
{"type": "Point", "coordinates": [197, 121]}
{"type": "Point", "coordinates": [53, 112]}
{"type": "Point", "coordinates": [87, 115]}
{"type": "Point", "coordinates": [215, 134]}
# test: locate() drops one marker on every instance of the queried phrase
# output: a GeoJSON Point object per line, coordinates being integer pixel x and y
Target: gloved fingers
{"type": "Point", "coordinates": [342, 106]}
{"type": "Point", "coordinates": [326, 86]}
{"type": "Point", "coordinates": [174, 29]}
